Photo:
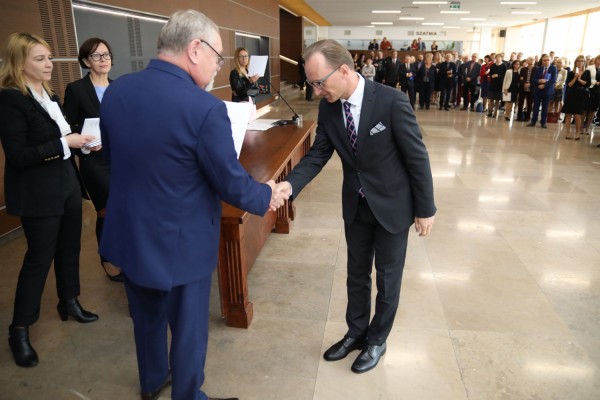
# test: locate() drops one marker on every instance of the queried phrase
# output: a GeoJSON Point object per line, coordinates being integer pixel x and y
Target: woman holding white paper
{"type": "Point", "coordinates": [578, 80]}
{"type": "Point", "coordinates": [510, 88]}
{"type": "Point", "coordinates": [82, 101]}
{"type": "Point", "coordinates": [243, 86]}
{"type": "Point", "coordinates": [41, 187]}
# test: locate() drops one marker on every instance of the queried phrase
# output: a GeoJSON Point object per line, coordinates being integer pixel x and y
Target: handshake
{"type": "Point", "coordinates": [280, 193]}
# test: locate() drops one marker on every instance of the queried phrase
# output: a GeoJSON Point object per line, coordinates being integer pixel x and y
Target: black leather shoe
{"type": "Point", "coordinates": [219, 398]}
{"type": "Point", "coordinates": [18, 340]}
{"type": "Point", "coordinates": [115, 278]}
{"type": "Point", "coordinates": [342, 348]}
{"type": "Point", "coordinates": [530, 124]}
{"type": "Point", "coordinates": [72, 308]}
{"type": "Point", "coordinates": [154, 395]}
{"type": "Point", "coordinates": [544, 126]}
{"type": "Point", "coordinates": [368, 358]}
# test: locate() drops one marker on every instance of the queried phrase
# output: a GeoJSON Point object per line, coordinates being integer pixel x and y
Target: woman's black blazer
{"type": "Point", "coordinates": [35, 173]}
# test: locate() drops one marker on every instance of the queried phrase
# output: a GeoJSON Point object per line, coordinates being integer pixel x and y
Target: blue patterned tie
{"type": "Point", "coordinates": [351, 132]}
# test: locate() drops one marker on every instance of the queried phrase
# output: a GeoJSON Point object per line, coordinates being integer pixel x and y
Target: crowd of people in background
{"type": "Point", "coordinates": [534, 89]}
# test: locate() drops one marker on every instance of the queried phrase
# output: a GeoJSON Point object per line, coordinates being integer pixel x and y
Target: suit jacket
{"type": "Point", "coordinates": [172, 161]}
{"type": "Point", "coordinates": [548, 89]}
{"type": "Point", "coordinates": [430, 74]}
{"type": "Point", "coordinates": [404, 80]}
{"type": "Point", "coordinates": [81, 102]}
{"type": "Point", "coordinates": [444, 67]}
{"type": "Point", "coordinates": [34, 174]}
{"type": "Point", "coordinates": [471, 70]}
{"type": "Point", "coordinates": [391, 164]}
{"type": "Point", "coordinates": [391, 71]}
{"type": "Point", "coordinates": [523, 79]}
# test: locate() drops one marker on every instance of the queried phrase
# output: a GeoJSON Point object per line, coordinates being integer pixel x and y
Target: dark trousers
{"type": "Point", "coordinates": [185, 310]}
{"type": "Point", "coordinates": [524, 97]}
{"type": "Point", "coordinates": [469, 94]}
{"type": "Point", "coordinates": [95, 173]}
{"type": "Point", "coordinates": [56, 238]}
{"type": "Point", "coordinates": [425, 95]}
{"type": "Point", "coordinates": [410, 92]}
{"type": "Point", "coordinates": [540, 97]}
{"type": "Point", "coordinates": [366, 240]}
{"type": "Point", "coordinates": [446, 91]}
{"type": "Point", "coordinates": [459, 93]}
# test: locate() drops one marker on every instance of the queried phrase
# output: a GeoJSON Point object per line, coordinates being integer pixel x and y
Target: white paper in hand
{"type": "Point", "coordinates": [239, 115]}
{"type": "Point", "coordinates": [258, 65]}
{"type": "Point", "coordinates": [91, 126]}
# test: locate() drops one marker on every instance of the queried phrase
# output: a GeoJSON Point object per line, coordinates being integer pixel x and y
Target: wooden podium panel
{"type": "Point", "coordinates": [266, 155]}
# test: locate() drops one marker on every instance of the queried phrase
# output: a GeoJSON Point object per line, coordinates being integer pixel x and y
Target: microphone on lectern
{"type": "Point", "coordinates": [295, 119]}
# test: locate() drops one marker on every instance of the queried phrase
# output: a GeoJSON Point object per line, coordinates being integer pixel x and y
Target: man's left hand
{"type": "Point", "coordinates": [423, 225]}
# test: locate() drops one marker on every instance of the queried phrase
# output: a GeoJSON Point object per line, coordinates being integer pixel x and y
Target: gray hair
{"type": "Point", "coordinates": [183, 27]}
{"type": "Point", "coordinates": [335, 54]}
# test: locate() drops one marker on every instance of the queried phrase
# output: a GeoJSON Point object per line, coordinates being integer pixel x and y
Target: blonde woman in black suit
{"type": "Point", "coordinates": [82, 100]}
{"type": "Point", "coordinates": [243, 86]}
{"type": "Point", "coordinates": [41, 187]}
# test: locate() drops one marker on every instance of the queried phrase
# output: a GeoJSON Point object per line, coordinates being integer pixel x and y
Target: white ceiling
{"type": "Point", "coordinates": [359, 12]}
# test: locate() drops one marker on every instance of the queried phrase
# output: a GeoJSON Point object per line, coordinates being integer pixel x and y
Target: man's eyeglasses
{"type": "Point", "coordinates": [319, 84]}
{"type": "Point", "coordinates": [99, 56]}
{"type": "Point", "coordinates": [220, 59]}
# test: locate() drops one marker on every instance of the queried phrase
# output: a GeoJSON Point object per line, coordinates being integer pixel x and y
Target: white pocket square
{"type": "Point", "coordinates": [377, 128]}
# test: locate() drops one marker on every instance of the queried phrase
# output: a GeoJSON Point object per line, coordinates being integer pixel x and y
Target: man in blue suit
{"type": "Point", "coordinates": [542, 82]}
{"type": "Point", "coordinates": [172, 161]}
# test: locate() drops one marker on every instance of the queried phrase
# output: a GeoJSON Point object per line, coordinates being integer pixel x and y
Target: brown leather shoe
{"type": "Point", "coordinates": [156, 393]}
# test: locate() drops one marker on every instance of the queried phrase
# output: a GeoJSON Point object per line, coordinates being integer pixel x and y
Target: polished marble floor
{"type": "Point", "coordinates": [500, 302]}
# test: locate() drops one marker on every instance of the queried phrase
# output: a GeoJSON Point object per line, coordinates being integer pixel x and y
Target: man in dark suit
{"type": "Point", "coordinates": [471, 73]}
{"type": "Point", "coordinates": [416, 67]}
{"type": "Point", "coordinates": [525, 90]}
{"type": "Point", "coordinates": [391, 72]}
{"type": "Point", "coordinates": [542, 83]}
{"type": "Point", "coordinates": [387, 186]}
{"type": "Point", "coordinates": [447, 78]}
{"type": "Point", "coordinates": [172, 162]}
{"type": "Point", "coordinates": [407, 80]}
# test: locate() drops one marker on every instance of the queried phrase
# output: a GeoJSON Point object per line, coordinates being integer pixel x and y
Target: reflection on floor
{"type": "Point", "coordinates": [501, 302]}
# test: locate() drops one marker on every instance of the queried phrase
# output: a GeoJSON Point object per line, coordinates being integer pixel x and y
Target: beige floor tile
{"type": "Point", "coordinates": [418, 364]}
{"type": "Point", "coordinates": [510, 366]}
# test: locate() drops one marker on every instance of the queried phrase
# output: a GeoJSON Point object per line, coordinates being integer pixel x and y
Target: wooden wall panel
{"type": "Point", "coordinates": [291, 37]}
{"type": "Point", "coordinates": [19, 16]}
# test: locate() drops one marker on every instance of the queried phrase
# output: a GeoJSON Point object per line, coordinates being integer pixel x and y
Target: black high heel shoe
{"type": "Point", "coordinates": [18, 340]}
{"type": "Point", "coordinates": [115, 278]}
{"type": "Point", "coordinates": [72, 308]}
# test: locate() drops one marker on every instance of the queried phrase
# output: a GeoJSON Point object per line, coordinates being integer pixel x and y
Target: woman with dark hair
{"type": "Point", "coordinates": [243, 86]}
{"type": "Point", "coordinates": [497, 72]}
{"type": "Point", "coordinates": [41, 187]}
{"type": "Point", "coordinates": [510, 86]}
{"type": "Point", "coordinates": [485, 80]}
{"type": "Point", "coordinates": [82, 101]}
{"type": "Point", "coordinates": [414, 46]}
